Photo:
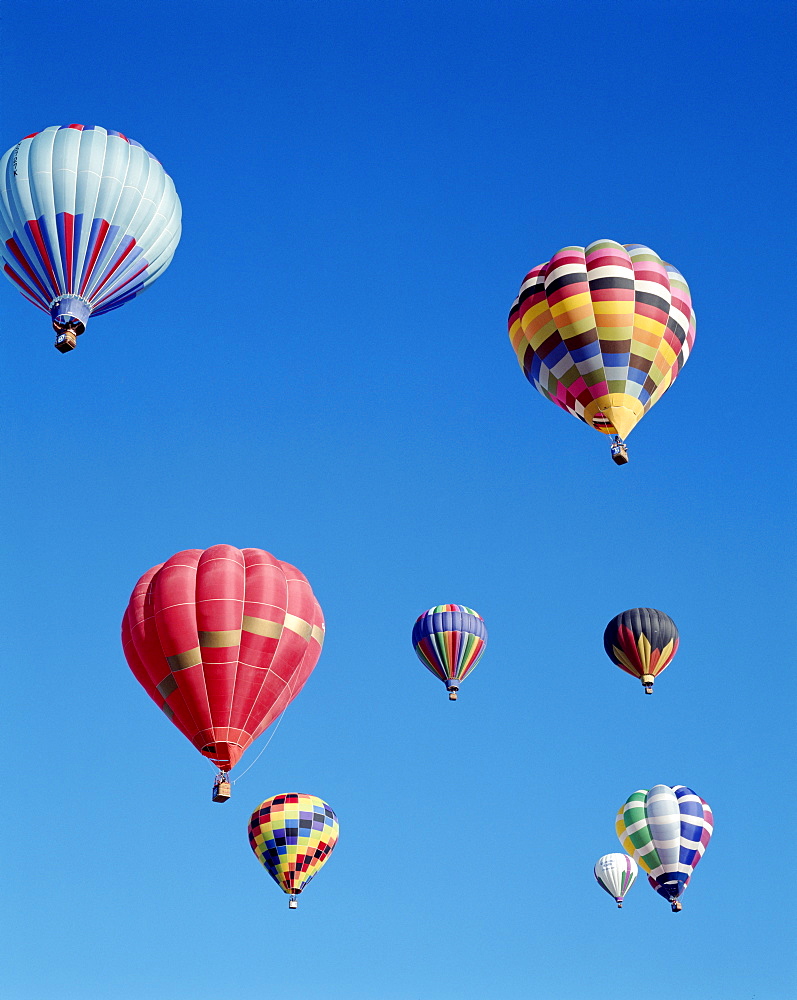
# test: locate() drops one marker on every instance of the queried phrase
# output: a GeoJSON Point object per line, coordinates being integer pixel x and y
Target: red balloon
{"type": "Point", "coordinates": [222, 641]}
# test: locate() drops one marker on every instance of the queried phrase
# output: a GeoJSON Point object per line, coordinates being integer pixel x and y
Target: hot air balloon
{"type": "Point", "coordinates": [641, 641]}
{"type": "Point", "coordinates": [292, 836]}
{"type": "Point", "coordinates": [88, 219]}
{"type": "Point", "coordinates": [666, 830]}
{"type": "Point", "coordinates": [449, 640]}
{"type": "Point", "coordinates": [603, 331]}
{"type": "Point", "coordinates": [222, 641]}
{"type": "Point", "coordinates": [616, 873]}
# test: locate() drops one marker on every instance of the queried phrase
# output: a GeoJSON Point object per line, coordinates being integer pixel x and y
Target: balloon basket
{"type": "Point", "coordinates": [452, 695]}
{"type": "Point", "coordinates": [676, 906]}
{"type": "Point", "coordinates": [66, 341]}
{"type": "Point", "coordinates": [619, 904]}
{"type": "Point", "coordinates": [620, 453]}
{"type": "Point", "coordinates": [293, 902]}
{"type": "Point", "coordinates": [222, 791]}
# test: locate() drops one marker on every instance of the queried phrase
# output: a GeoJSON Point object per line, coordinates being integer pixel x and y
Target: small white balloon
{"type": "Point", "coordinates": [616, 874]}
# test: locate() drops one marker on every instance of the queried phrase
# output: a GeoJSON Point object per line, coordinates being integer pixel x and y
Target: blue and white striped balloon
{"type": "Point", "coordinates": [88, 219]}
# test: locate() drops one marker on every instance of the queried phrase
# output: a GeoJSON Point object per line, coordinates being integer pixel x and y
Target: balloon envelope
{"type": "Point", "coordinates": [642, 642]}
{"type": "Point", "coordinates": [222, 641]}
{"type": "Point", "coordinates": [603, 331]}
{"type": "Point", "coordinates": [292, 836]}
{"type": "Point", "coordinates": [616, 873]}
{"type": "Point", "coordinates": [666, 829]}
{"type": "Point", "coordinates": [88, 219]}
{"type": "Point", "coordinates": [449, 640]}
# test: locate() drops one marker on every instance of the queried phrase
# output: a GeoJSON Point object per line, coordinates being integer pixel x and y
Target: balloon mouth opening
{"type": "Point", "coordinates": [70, 313]}
{"type": "Point", "coordinates": [224, 755]}
{"type": "Point", "coordinates": [452, 687]}
{"type": "Point", "coordinates": [68, 324]}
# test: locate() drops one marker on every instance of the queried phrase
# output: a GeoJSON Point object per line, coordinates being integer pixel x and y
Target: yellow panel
{"type": "Point", "coordinates": [221, 639]}
{"type": "Point", "coordinates": [190, 658]}
{"type": "Point", "coordinates": [668, 354]}
{"type": "Point", "coordinates": [623, 411]}
{"type": "Point", "coordinates": [570, 303]}
{"type": "Point", "coordinates": [651, 325]}
{"type": "Point", "coordinates": [604, 308]}
{"type": "Point", "coordinates": [297, 625]}
{"type": "Point", "coordinates": [262, 626]}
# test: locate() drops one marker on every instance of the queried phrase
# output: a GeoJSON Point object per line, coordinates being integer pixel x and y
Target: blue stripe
{"type": "Point", "coordinates": [586, 352]}
{"type": "Point", "coordinates": [559, 351]}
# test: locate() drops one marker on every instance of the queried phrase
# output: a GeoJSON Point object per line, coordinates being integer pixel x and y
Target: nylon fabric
{"type": "Point", "coordinates": [641, 641]}
{"type": "Point", "coordinates": [186, 639]}
{"type": "Point", "coordinates": [449, 640]}
{"type": "Point", "coordinates": [88, 219]}
{"type": "Point", "coordinates": [615, 874]}
{"type": "Point", "coordinates": [292, 836]}
{"type": "Point", "coordinates": [603, 331]}
{"type": "Point", "coordinates": [666, 830]}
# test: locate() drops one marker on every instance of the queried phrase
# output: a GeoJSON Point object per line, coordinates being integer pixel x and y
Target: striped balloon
{"type": "Point", "coordinates": [88, 219]}
{"type": "Point", "coordinates": [449, 640]}
{"type": "Point", "coordinates": [603, 331]}
{"type": "Point", "coordinates": [616, 873]}
{"type": "Point", "coordinates": [666, 830]}
{"type": "Point", "coordinates": [292, 836]}
{"type": "Point", "coordinates": [642, 642]}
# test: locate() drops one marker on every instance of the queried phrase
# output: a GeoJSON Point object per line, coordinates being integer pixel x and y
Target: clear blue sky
{"type": "Point", "coordinates": [324, 372]}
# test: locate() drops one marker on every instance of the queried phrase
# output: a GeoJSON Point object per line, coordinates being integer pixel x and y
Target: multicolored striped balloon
{"type": "Point", "coordinates": [88, 219]}
{"type": "Point", "coordinates": [616, 873]}
{"type": "Point", "coordinates": [292, 836]}
{"type": "Point", "coordinates": [603, 331]}
{"type": "Point", "coordinates": [642, 642]}
{"type": "Point", "coordinates": [449, 640]}
{"type": "Point", "coordinates": [666, 830]}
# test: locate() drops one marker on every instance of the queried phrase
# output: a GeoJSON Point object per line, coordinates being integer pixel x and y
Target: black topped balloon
{"type": "Point", "coordinates": [641, 641]}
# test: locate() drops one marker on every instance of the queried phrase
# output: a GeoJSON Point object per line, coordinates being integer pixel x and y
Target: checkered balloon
{"type": "Point", "coordinates": [292, 836]}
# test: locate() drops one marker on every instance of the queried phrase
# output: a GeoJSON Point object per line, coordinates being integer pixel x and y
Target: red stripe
{"type": "Point", "coordinates": [108, 276]}
{"type": "Point", "coordinates": [115, 291]}
{"type": "Point", "coordinates": [103, 231]}
{"type": "Point", "coordinates": [18, 256]}
{"type": "Point", "coordinates": [39, 239]}
{"type": "Point", "coordinates": [69, 238]}
{"type": "Point", "coordinates": [15, 277]}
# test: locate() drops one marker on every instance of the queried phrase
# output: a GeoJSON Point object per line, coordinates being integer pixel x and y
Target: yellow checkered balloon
{"type": "Point", "coordinates": [292, 836]}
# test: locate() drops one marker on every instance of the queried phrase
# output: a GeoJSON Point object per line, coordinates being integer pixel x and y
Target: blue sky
{"type": "Point", "coordinates": [324, 372]}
